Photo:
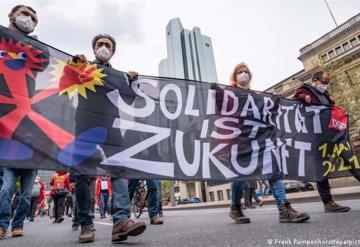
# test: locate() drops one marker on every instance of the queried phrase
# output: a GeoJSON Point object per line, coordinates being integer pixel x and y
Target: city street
{"type": "Point", "coordinates": [191, 105]}
{"type": "Point", "coordinates": [208, 227]}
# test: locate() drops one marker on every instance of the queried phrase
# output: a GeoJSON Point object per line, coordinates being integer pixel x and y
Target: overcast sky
{"type": "Point", "coordinates": [267, 35]}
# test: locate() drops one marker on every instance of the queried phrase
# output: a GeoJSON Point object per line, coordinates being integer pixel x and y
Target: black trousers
{"type": "Point", "coordinates": [32, 208]}
{"type": "Point", "coordinates": [59, 206]}
{"type": "Point", "coordinates": [324, 186]}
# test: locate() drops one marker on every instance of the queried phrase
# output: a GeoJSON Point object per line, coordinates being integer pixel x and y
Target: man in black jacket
{"type": "Point", "coordinates": [22, 21]}
{"type": "Point", "coordinates": [318, 94]}
{"type": "Point", "coordinates": [104, 47]}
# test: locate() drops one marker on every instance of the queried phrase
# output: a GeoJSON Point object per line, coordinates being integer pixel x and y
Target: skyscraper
{"type": "Point", "coordinates": [189, 54]}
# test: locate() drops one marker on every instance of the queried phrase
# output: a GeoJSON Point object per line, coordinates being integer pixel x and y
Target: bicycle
{"type": "Point", "coordinates": [139, 200]}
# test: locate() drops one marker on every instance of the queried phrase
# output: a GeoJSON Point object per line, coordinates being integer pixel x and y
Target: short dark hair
{"type": "Point", "coordinates": [17, 7]}
{"type": "Point", "coordinates": [104, 35]}
{"type": "Point", "coordinates": [317, 76]}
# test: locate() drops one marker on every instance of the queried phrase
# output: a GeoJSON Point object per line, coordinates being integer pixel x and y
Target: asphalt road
{"type": "Point", "coordinates": [210, 227]}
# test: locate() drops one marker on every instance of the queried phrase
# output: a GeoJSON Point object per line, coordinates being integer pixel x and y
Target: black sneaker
{"type": "Point", "coordinates": [61, 219]}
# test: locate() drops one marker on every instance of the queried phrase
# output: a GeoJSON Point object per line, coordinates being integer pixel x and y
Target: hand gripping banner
{"type": "Point", "coordinates": [90, 119]}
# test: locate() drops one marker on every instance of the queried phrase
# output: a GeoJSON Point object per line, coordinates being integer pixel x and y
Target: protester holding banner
{"type": "Point", "coordinates": [318, 93]}
{"type": "Point", "coordinates": [23, 19]}
{"type": "Point", "coordinates": [60, 188]}
{"type": "Point", "coordinates": [241, 78]}
{"type": "Point", "coordinates": [104, 47]}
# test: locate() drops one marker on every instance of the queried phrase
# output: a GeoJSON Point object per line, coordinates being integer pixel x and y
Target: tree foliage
{"type": "Point", "coordinates": [166, 189]}
{"type": "Point", "coordinates": [345, 89]}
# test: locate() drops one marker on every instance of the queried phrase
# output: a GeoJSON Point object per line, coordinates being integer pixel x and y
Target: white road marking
{"type": "Point", "coordinates": [103, 223]}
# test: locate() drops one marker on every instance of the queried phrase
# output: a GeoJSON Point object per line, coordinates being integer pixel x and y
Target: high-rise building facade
{"type": "Point", "coordinates": [189, 54]}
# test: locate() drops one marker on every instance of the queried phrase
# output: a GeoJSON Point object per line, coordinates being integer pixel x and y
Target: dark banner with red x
{"type": "Point", "coordinates": [85, 118]}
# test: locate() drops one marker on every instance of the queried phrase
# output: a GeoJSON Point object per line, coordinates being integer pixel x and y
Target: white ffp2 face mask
{"type": "Point", "coordinates": [322, 87]}
{"type": "Point", "coordinates": [103, 54]}
{"type": "Point", "coordinates": [242, 78]}
{"type": "Point", "coordinates": [25, 23]}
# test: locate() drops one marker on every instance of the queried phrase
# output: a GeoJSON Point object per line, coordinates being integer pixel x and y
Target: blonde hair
{"type": "Point", "coordinates": [233, 81]}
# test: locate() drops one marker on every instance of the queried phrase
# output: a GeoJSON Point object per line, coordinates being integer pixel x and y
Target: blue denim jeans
{"type": "Point", "coordinates": [120, 200]}
{"type": "Point", "coordinates": [278, 190]}
{"type": "Point", "coordinates": [1, 176]}
{"type": "Point", "coordinates": [237, 188]}
{"type": "Point", "coordinates": [75, 219]}
{"type": "Point", "coordinates": [27, 179]}
{"type": "Point", "coordinates": [85, 214]}
{"type": "Point", "coordinates": [158, 183]}
{"type": "Point", "coordinates": [277, 187]}
{"type": "Point", "coordinates": [153, 194]}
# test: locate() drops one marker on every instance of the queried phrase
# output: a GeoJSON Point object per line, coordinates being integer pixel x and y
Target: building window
{"type": "Point", "coordinates": [228, 191]}
{"type": "Point", "coordinates": [220, 195]}
{"type": "Point", "coordinates": [332, 54]}
{"type": "Point", "coordinates": [339, 50]}
{"type": "Point", "coordinates": [325, 57]}
{"type": "Point", "coordinates": [176, 189]}
{"type": "Point", "coordinates": [346, 46]}
{"type": "Point", "coordinates": [168, 33]}
{"type": "Point", "coordinates": [354, 42]}
{"type": "Point", "coordinates": [212, 198]}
